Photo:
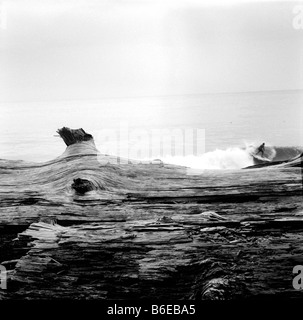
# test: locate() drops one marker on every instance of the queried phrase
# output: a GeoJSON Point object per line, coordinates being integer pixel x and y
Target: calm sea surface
{"type": "Point", "coordinates": [230, 120]}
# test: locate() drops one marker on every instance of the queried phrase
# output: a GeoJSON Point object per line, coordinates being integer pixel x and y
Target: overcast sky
{"type": "Point", "coordinates": [90, 49]}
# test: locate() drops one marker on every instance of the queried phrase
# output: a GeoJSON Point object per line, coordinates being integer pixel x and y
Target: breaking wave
{"type": "Point", "coordinates": [233, 158]}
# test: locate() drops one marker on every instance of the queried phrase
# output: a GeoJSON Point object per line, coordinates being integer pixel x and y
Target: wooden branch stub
{"type": "Point", "coordinates": [72, 136]}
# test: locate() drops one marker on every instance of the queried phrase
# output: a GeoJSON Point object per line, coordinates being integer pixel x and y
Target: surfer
{"type": "Point", "coordinates": [261, 149]}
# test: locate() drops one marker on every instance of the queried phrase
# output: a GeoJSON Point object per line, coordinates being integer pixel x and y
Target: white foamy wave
{"type": "Point", "coordinates": [231, 158]}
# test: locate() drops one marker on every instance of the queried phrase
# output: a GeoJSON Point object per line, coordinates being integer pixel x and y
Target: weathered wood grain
{"type": "Point", "coordinates": [147, 229]}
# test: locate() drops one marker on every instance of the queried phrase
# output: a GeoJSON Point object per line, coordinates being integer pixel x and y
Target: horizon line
{"type": "Point", "coordinates": [149, 96]}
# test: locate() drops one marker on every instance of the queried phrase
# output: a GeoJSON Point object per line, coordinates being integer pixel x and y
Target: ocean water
{"type": "Point", "coordinates": [217, 131]}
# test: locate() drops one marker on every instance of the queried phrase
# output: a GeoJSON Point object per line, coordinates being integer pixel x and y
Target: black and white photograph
{"type": "Point", "coordinates": [151, 153]}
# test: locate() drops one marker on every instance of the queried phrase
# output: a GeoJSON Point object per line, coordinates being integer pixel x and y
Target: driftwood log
{"type": "Point", "coordinates": [83, 227]}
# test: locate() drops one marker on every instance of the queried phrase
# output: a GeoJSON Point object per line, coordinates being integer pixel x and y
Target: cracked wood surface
{"type": "Point", "coordinates": [147, 230]}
